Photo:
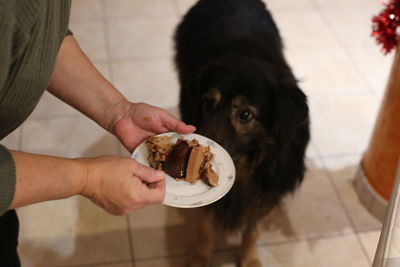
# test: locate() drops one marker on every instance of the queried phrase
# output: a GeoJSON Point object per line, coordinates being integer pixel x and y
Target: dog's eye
{"type": "Point", "coordinates": [245, 116]}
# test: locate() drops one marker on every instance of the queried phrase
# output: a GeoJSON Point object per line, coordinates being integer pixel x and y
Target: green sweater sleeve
{"type": "Point", "coordinates": [7, 168]}
{"type": "Point", "coordinates": [6, 28]}
{"type": "Point", "coordinates": [7, 179]}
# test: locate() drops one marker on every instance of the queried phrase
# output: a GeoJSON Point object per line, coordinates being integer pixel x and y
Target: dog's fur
{"type": "Point", "coordinates": [237, 89]}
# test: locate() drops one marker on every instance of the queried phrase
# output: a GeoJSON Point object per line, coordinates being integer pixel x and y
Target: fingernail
{"type": "Point", "coordinates": [160, 174]}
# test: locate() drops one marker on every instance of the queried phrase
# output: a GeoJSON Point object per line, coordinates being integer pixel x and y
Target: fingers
{"type": "Point", "coordinates": [147, 174]}
{"type": "Point", "coordinates": [176, 125]}
{"type": "Point", "coordinates": [152, 190]}
{"type": "Point", "coordinates": [184, 128]}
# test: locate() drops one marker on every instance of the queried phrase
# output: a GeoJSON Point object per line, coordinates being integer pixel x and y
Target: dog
{"type": "Point", "coordinates": [237, 89]}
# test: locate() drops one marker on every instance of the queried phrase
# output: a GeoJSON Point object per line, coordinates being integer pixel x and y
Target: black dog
{"type": "Point", "coordinates": [237, 89]}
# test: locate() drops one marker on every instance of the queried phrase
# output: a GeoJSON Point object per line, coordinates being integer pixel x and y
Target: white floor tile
{"type": "Point", "coordinates": [91, 37]}
{"type": "Point", "coordinates": [139, 8]}
{"type": "Point", "coordinates": [160, 231]}
{"type": "Point", "coordinates": [342, 124]}
{"type": "Point", "coordinates": [325, 252]}
{"type": "Point", "coordinates": [351, 25]}
{"type": "Point", "coordinates": [326, 71]}
{"type": "Point", "coordinates": [67, 137]}
{"type": "Point", "coordinates": [11, 141]}
{"type": "Point", "coordinates": [303, 29]}
{"type": "Point", "coordinates": [313, 210]}
{"type": "Point", "coordinates": [127, 264]}
{"type": "Point", "coordinates": [373, 64]}
{"type": "Point", "coordinates": [71, 231]}
{"type": "Point", "coordinates": [346, 3]}
{"type": "Point", "coordinates": [312, 151]}
{"type": "Point", "coordinates": [370, 242]}
{"type": "Point", "coordinates": [49, 106]}
{"type": "Point", "coordinates": [163, 262]}
{"type": "Point", "coordinates": [343, 173]}
{"type": "Point", "coordinates": [133, 38]}
{"type": "Point", "coordinates": [329, 252]}
{"type": "Point", "coordinates": [150, 81]}
{"type": "Point", "coordinates": [275, 5]}
{"type": "Point", "coordinates": [86, 10]}
{"type": "Point", "coordinates": [183, 6]}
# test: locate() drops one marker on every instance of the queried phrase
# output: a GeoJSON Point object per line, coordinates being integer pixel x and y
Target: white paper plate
{"type": "Point", "coordinates": [183, 194]}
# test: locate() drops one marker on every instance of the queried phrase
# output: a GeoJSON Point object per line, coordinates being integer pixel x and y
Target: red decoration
{"type": "Point", "coordinates": [385, 26]}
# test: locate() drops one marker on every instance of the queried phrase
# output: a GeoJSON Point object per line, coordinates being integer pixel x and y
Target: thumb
{"type": "Point", "coordinates": [147, 174]}
{"type": "Point", "coordinates": [155, 193]}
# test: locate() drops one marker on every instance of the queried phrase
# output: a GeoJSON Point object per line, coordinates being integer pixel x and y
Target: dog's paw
{"type": "Point", "coordinates": [251, 263]}
{"type": "Point", "coordinates": [198, 261]}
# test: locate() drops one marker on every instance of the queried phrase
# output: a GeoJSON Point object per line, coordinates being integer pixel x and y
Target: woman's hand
{"type": "Point", "coordinates": [120, 185]}
{"type": "Point", "coordinates": [77, 82]}
{"type": "Point", "coordinates": [132, 123]}
{"type": "Point", "coordinates": [117, 184]}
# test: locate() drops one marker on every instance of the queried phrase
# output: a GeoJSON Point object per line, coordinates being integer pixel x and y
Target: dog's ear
{"type": "Point", "coordinates": [291, 112]}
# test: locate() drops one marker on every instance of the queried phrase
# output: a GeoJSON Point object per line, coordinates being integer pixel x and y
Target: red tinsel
{"type": "Point", "coordinates": [385, 26]}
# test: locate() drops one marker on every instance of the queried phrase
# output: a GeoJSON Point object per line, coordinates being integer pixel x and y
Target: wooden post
{"type": "Point", "coordinates": [380, 160]}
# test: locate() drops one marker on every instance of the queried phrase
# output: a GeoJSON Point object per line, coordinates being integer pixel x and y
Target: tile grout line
{"type": "Point", "coordinates": [264, 244]}
{"type": "Point", "coordinates": [131, 247]}
{"type": "Point", "coordinates": [319, 154]}
{"type": "Point", "coordinates": [97, 264]}
{"type": "Point", "coordinates": [346, 51]}
{"type": "Point", "coordinates": [20, 137]}
{"type": "Point", "coordinates": [339, 155]}
{"type": "Point", "coordinates": [344, 208]}
{"type": "Point", "coordinates": [60, 116]}
{"type": "Point", "coordinates": [111, 73]}
{"type": "Point", "coordinates": [364, 231]}
{"type": "Point", "coordinates": [308, 238]}
{"type": "Point", "coordinates": [142, 59]}
{"type": "Point", "coordinates": [348, 54]}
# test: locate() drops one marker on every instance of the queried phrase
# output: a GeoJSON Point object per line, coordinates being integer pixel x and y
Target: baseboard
{"type": "Point", "coordinates": [373, 202]}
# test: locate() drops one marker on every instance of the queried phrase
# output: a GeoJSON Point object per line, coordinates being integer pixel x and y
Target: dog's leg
{"type": "Point", "coordinates": [248, 248]}
{"type": "Point", "coordinates": [205, 241]}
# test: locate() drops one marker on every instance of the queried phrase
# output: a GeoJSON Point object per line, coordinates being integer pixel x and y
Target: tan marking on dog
{"type": "Point", "coordinates": [205, 241]}
{"type": "Point", "coordinates": [248, 247]}
{"type": "Point", "coordinates": [215, 95]}
{"type": "Point", "coordinates": [242, 168]}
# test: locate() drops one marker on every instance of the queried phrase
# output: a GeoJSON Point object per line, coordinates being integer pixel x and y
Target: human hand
{"type": "Point", "coordinates": [120, 185]}
{"type": "Point", "coordinates": [134, 122]}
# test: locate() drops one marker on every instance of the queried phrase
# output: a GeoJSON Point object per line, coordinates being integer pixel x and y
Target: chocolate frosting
{"type": "Point", "coordinates": [177, 160]}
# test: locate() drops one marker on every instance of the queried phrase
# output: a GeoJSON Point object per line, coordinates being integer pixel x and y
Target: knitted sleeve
{"type": "Point", "coordinates": [7, 179]}
{"type": "Point", "coordinates": [7, 167]}
{"type": "Point", "coordinates": [7, 24]}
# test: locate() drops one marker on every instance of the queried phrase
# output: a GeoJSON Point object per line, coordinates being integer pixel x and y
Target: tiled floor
{"type": "Point", "coordinates": [323, 225]}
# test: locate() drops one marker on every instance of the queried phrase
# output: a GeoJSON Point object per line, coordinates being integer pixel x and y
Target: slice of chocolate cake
{"type": "Point", "coordinates": [185, 160]}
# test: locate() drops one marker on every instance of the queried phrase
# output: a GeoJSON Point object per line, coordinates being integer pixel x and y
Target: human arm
{"type": "Point", "coordinates": [119, 185]}
{"type": "Point", "coordinates": [77, 82]}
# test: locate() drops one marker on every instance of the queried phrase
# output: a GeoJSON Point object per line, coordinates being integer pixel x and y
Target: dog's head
{"type": "Point", "coordinates": [251, 108]}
